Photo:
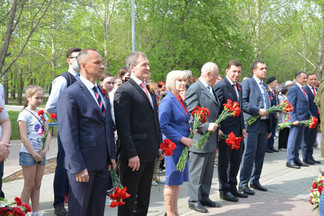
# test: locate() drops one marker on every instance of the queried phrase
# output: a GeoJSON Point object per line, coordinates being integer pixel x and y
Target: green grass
{"type": "Point", "coordinates": [13, 115]}
{"type": "Point", "coordinates": [15, 101]}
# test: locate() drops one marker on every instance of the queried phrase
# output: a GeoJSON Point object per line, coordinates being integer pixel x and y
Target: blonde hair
{"type": "Point", "coordinates": [30, 91]}
{"type": "Point", "coordinates": [172, 77]}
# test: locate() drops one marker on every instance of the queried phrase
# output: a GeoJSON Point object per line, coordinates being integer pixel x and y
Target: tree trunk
{"type": "Point", "coordinates": [20, 87]}
{"type": "Point", "coordinates": [5, 86]}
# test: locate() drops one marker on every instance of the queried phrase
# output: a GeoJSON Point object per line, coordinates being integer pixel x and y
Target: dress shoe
{"type": "Point", "coordinates": [269, 151]}
{"type": "Point", "coordinates": [247, 190]}
{"type": "Point", "coordinates": [239, 194]}
{"type": "Point", "coordinates": [60, 211]}
{"type": "Point", "coordinates": [228, 196]}
{"type": "Point", "coordinates": [210, 203]}
{"type": "Point", "coordinates": [274, 150]}
{"type": "Point", "coordinates": [292, 165]}
{"type": "Point", "coordinates": [258, 186]}
{"type": "Point", "coordinates": [315, 161]}
{"type": "Point", "coordinates": [309, 161]}
{"type": "Point", "coordinates": [197, 207]}
{"type": "Point", "coordinates": [299, 163]}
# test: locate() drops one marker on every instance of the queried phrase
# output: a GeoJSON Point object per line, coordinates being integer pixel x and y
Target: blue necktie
{"type": "Point", "coordinates": [101, 106]}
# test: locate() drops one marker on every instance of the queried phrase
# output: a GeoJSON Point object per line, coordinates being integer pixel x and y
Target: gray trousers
{"type": "Point", "coordinates": [201, 168]}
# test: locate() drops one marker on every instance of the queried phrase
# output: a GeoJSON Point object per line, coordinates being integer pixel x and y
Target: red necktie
{"type": "Point", "coordinates": [98, 97]}
{"type": "Point", "coordinates": [314, 92]}
{"type": "Point", "coordinates": [146, 92]}
{"type": "Point", "coordinates": [304, 92]}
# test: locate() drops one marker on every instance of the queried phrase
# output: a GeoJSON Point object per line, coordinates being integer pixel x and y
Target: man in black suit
{"type": "Point", "coordinates": [273, 117]}
{"type": "Point", "coordinates": [139, 133]}
{"type": "Point", "coordinates": [229, 159]}
{"type": "Point", "coordinates": [310, 133]}
{"type": "Point", "coordinates": [87, 135]}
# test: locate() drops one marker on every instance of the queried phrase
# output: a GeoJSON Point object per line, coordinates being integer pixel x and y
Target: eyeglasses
{"type": "Point", "coordinates": [72, 57]}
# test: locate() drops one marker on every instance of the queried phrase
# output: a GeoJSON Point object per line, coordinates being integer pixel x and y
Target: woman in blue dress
{"type": "Point", "coordinates": [174, 122]}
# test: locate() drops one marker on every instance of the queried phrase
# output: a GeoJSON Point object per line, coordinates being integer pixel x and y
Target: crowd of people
{"type": "Point", "coordinates": [107, 122]}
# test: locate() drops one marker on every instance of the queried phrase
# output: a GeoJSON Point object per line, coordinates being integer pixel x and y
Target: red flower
{"type": "Point", "coordinates": [167, 152]}
{"type": "Point", "coordinates": [3, 210]}
{"type": "Point", "coordinates": [313, 122]}
{"type": "Point", "coordinates": [320, 188]}
{"type": "Point", "coordinates": [197, 108]}
{"type": "Point", "coordinates": [113, 204]}
{"type": "Point", "coordinates": [233, 141]}
{"type": "Point", "coordinates": [41, 112]}
{"type": "Point", "coordinates": [17, 211]}
{"type": "Point", "coordinates": [239, 86]}
{"type": "Point", "coordinates": [18, 201]}
{"type": "Point", "coordinates": [168, 146]}
{"type": "Point", "coordinates": [53, 116]}
{"type": "Point", "coordinates": [314, 185]}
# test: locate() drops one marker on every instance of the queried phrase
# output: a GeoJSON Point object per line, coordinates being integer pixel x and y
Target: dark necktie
{"type": "Point", "coordinates": [99, 99]}
{"type": "Point", "coordinates": [234, 87]}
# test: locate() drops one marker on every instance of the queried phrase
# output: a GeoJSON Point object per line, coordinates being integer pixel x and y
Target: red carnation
{"type": "Point", "coordinates": [41, 112]}
{"type": "Point", "coordinates": [17, 211]}
{"type": "Point", "coordinates": [113, 204]}
{"type": "Point", "coordinates": [314, 185]}
{"type": "Point", "coordinates": [168, 152]}
{"type": "Point", "coordinates": [18, 201]}
{"type": "Point", "coordinates": [53, 116]}
{"type": "Point", "coordinates": [320, 188]}
{"type": "Point", "coordinates": [26, 207]}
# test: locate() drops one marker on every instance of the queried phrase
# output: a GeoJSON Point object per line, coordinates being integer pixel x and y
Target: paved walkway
{"type": "Point", "coordinates": [287, 195]}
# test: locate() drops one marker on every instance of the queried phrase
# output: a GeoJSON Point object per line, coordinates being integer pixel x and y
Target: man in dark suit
{"type": "Point", "coordinates": [229, 159]}
{"type": "Point", "coordinates": [87, 135]}
{"type": "Point", "coordinates": [310, 133]}
{"type": "Point", "coordinates": [255, 100]}
{"type": "Point", "coordinates": [299, 100]}
{"type": "Point", "coordinates": [59, 84]}
{"type": "Point", "coordinates": [138, 128]}
{"type": "Point", "coordinates": [201, 161]}
{"type": "Point", "coordinates": [272, 84]}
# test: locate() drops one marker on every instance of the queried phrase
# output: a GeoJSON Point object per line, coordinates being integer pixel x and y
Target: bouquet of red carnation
{"type": "Point", "coordinates": [284, 107]}
{"type": "Point", "coordinates": [312, 122]}
{"type": "Point", "coordinates": [51, 119]}
{"type": "Point", "coordinates": [232, 140]}
{"type": "Point", "coordinates": [230, 109]}
{"type": "Point", "coordinates": [168, 146]}
{"type": "Point", "coordinates": [200, 115]}
{"type": "Point", "coordinates": [14, 208]}
{"type": "Point", "coordinates": [120, 192]}
{"type": "Point", "coordinates": [316, 191]}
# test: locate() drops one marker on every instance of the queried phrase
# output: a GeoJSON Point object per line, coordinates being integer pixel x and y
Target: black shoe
{"type": "Point", "coordinates": [269, 151]}
{"type": "Point", "coordinates": [292, 165]}
{"type": "Point", "coordinates": [60, 211]}
{"type": "Point", "coordinates": [315, 161]}
{"type": "Point", "coordinates": [258, 186]}
{"type": "Point", "coordinates": [274, 150]}
{"type": "Point", "coordinates": [299, 163]}
{"type": "Point", "coordinates": [210, 203]}
{"type": "Point", "coordinates": [238, 194]}
{"type": "Point", "coordinates": [228, 196]}
{"type": "Point", "coordinates": [309, 161]}
{"type": "Point", "coordinates": [197, 207]}
{"type": "Point", "coordinates": [247, 190]}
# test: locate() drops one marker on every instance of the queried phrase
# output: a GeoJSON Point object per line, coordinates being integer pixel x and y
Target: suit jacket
{"type": "Point", "coordinates": [137, 122]}
{"type": "Point", "coordinates": [86, 135]}
{"type": "Point", "coordinates": [174, 121]}
{"type": "Point", "coordinates": [252, 101]}
{"type": "Point", "coordinates": [199, 95]}
{"type": "Point", "coordinates": [274, 101]}
{"type": "Point", "coordinates": [224, 90]}
{"type": "Point", "coordinates": [299, 102]}
{"type": "Point", "coordinates": [312, 105]}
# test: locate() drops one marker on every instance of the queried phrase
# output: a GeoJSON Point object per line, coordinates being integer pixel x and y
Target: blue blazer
{"type": "Point", "coordinates": [174, 121]}
{"type": "Point", "coordinates": [87, 135]}
{"type": "Point", "coordinates": [312, 105]}
{"type": "Point", "coordinates": [299, 102]}
{"type": "Point", "coordinates": [252, 101]}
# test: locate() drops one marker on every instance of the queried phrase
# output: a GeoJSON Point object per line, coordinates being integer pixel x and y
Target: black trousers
{"type": "Point", "coordinates": [283, 138]}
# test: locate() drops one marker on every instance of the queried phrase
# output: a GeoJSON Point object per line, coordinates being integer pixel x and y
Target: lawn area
{"type": "Point", "coordinates": [13, 115]}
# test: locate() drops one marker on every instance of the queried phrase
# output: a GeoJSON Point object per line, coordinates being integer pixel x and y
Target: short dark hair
{"type": "Point", "coordinates": [122, 71]}
{"type": "Point", "coordinates": [254, 65]}
{"type": "Point", "coordinates": [311, 74]}
{"type": "Point", "coordinates": [105, 75]}
{"type": "Point", "coordinates": [284, 89]}
{"type": "Point", "coordinates": [234, 63]}
{"type": "Point", "coordinates": [72, 50]}
{"type": "Point", "coordinates": [299, 73]}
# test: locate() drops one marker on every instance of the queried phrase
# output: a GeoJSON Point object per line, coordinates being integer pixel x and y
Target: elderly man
{"type": "Point", "coordinates": [138, 128]}
{"type": "Point", "coordinates": [87, 135]}
{"type": "Point", "coordinates": [201, 161]}
{"type": "Point", "coordinates": [255, 100]}
{"type": "Point", "coordinates": [299, 100]}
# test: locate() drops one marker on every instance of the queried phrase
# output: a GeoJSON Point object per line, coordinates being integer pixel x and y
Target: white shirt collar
{"type": "Point", "coordinates": [87, 83]}
{"type": "Point", "coordinates": [310, 87]}
{"type": "Point", "coordinates": [229, 80]}
{"type": "Point", "coordinates": [300, 86]}
{"type": "Point", "coordinates": [138, 81]}
{"type": "Point", "coordinates": [257, 80]}
{"type": "Point", "coordinates": [203, 82]}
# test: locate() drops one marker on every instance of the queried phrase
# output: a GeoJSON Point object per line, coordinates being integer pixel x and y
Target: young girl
{"type": "Point", "coordinates": [32, 157]}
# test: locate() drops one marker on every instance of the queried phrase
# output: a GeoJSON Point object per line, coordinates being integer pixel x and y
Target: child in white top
{"type": "Point", "coordinates": [32, 157]}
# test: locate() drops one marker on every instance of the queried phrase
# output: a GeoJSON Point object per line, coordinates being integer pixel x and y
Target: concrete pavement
{"type": "Point", "coordinates": [287, 195]}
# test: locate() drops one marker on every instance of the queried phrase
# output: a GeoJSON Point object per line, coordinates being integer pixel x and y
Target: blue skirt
{"type": "Point", "coordinates": [173, 177]}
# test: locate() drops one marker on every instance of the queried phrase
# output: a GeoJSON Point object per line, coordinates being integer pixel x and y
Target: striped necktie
{"type": "Point", "coordinates": [99, 99]}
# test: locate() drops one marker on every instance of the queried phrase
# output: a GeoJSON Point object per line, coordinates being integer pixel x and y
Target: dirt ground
{"type": "Point", "coordinates": [50, 168]}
